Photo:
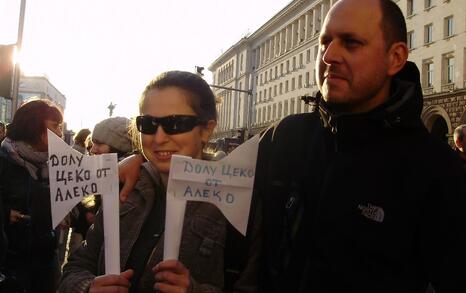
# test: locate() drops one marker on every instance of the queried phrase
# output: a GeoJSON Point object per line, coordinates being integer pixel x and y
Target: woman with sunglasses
{"type": "Point", "coordinates": [177, 116]}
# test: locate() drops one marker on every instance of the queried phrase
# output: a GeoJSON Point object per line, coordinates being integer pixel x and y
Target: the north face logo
{"type": "Point", "coordinates": [372, 212]}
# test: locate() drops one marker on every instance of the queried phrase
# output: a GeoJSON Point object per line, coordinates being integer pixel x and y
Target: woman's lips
{"type": "Point", "coordinates": [163, 155]}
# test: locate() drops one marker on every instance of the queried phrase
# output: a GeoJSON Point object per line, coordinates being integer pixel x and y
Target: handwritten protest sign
{"type": "Point", "coordinates": [227, 183]}
{"type": "Point", "coordinates": [72, 176]}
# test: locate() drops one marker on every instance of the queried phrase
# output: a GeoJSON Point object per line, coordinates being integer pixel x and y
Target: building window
{"type": "Point", "coordinates": [276, 71]}
{"type": "Point", "coordinates": [285, 109]}
{"type": "Point", "coordinates": [298, 102]}
{"type": "Point", "coordinates": [271, 76]}
{"type": "Point", "coordinates": [306, 82]}
{"type": "Point", "coordinates": [265, 94]}
{"type": "Point", "coordinates": [292, 106]}
{"type": "Point", "coordinates": [308, 55]}
{"type": "Point", "coordinates": [316, 51]}
{"type": "Point", "coordinates": [294, 62]}
{"type": "Point", "coordinates": [300, 81]}
{"type": "Point", "coordinates": [281, 69]}
{"type": "Point", "coordinates": [286, 86]}
{"type": "Point", "coordinates": [428, 73]}
{"type": "Point", "coordinates": [275, 90]}
{"type": "Point", "coordinates": [301, 60]}
{"type": "Point", "coordinates": [241, 63]}
{"type": "Point", "coordinates": [270, 93]}
{"type": "Point", "coordinates": [293, 84]}
{"type": "Point", "coordinates": [279, 110]}
{"type": "Point", "coordinates": [428, 30]}
{"type": "Point", "coordinates": [287, 66]}
{"type": "Point", "coordinates": [428, 3]}
{"type": "Point", "coordinates": [280, 90]}
{"type": "Point", "coordinates": [411, 40]}
{"type": "Point", "coordinates": [260, 96]}
{"type": "Point", "coordinates": [259, 112]}
{"type": "Point", "coordinates": [409, 7]}
{"type": "Point", "coordinates": [274, 113]}
{"type": "Point", "coordinates": [448, 26]}
{"type": "Point", "coordinates": [449, 69]}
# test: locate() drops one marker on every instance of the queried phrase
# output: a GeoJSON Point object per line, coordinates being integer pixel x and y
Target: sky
{"type": "Point", "coordinates": [101, 51]}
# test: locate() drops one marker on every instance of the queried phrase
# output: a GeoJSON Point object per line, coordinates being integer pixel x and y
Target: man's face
{"type": "Point", "coordinates": [353, 58]}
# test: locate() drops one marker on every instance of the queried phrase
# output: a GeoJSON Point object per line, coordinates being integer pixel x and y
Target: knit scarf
{"type": "Point", "coordinates": [25, 156]}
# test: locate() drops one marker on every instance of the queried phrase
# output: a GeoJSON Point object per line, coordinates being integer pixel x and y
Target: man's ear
{"type": "Point", "coordinates": [207, 131]}
{"type": "Point", "coordinates": [459, 144]}
{"type": "Point", "coordinates": [398, 55]}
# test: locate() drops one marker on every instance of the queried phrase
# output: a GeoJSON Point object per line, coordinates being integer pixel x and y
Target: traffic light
{"type": "Point", "coordinates": [6, 70]}
{"type": "Point", "coordinates": [199, 70]}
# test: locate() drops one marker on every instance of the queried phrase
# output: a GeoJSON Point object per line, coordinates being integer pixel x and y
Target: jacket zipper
{"type": "Point", "coordinates": [334, 130]}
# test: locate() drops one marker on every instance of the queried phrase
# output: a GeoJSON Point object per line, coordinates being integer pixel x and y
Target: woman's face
{"type": "Point", "coordinates": [158, 148]}
{"type": "Point", "coordinates": [54, 126]}
{"type": "Point", "coordinates": [99, 148]}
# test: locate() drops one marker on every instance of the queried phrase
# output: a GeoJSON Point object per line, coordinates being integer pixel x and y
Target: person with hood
{"type": "Point", "coordinates": [363, 201]}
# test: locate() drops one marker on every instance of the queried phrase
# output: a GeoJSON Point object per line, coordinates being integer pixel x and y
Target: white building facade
{"type": "Point", "coordinates": [32, 86]}
{"type": "Point", "coordinates": [40, 86]}
{"type": "Point", "coordinates": [277, 64]}
{"type": "Point", "coordinates": [437, 42]}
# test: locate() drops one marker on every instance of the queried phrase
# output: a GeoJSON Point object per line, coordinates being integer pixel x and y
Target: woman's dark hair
{"type": "Point", "coordinates": [202, 99]}
{"type": "Point", "coordinates": [28, 124]}
{"type": "Point", "coordinates": [80, 137]}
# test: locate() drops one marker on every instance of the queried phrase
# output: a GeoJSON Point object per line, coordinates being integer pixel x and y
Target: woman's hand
{"type": "Point", "coordinates": [171, 276]}
{"type": "Point", "coordinates": [128, 174]}
{"type": "Point", "coordinates": [112, 283]}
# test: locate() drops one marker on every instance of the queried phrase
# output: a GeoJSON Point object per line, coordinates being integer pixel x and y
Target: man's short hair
{"type": "Point", "coordinates": [393, 23]}
{"type": "Point", "coordinates": [459, 133]}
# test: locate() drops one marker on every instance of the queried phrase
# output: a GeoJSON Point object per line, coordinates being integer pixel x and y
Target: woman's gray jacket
{"type": "Point", "coordinates": [201, 249]}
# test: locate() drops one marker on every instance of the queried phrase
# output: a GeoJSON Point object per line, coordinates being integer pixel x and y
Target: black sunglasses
{"type": "Point", "coordinates": [173, 124]}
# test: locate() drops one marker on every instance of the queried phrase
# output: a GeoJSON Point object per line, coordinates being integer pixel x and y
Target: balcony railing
{"type": "Point", "coordinates": [428, 90]}
{"type": "Point", "coordinates": [448, 87]}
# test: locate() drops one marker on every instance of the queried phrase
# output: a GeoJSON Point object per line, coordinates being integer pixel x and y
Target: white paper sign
{"type": "Point", "coordinates": [72, 176]}
{"type": "Point", "coordinates": [227, 183]}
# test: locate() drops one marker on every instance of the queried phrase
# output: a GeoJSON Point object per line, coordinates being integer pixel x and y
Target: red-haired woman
{"type": "Point", "coordinates": [31, 257]}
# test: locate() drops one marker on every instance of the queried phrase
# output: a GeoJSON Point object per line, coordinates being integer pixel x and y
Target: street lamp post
{"type": "Point", "coordinates": [17, 71]}
{"type": "Point", "coordinates": [199, 70]}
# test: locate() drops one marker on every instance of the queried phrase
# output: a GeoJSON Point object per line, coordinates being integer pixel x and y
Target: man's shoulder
{"type": "Point", "coordinates": [291, 126]}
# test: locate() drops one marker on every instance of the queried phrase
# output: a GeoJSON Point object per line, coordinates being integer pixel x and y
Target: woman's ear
{"type": "Point", "coordinates": [207, 130]}
{"type": "Point", "coordinates": [398, 55]}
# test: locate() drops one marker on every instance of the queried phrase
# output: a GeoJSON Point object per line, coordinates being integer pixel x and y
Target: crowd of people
{"type": "Point", "coordinates": [355, 196]}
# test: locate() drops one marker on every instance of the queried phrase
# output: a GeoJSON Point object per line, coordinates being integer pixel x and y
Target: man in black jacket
{"type": "Point", "coordinates": [357, 196]}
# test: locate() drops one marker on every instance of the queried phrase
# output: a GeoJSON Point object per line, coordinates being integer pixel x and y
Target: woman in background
{"type": "Point", "coordinates": [31, 256]}
{"type": "Point", "coordinates": [80, 140]}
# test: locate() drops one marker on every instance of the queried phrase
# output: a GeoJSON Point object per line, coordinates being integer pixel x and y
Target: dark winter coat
{"type": "Point", "coordinates": [31, 253]}
{"type": "Point", "coordinates": [366, 202]}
